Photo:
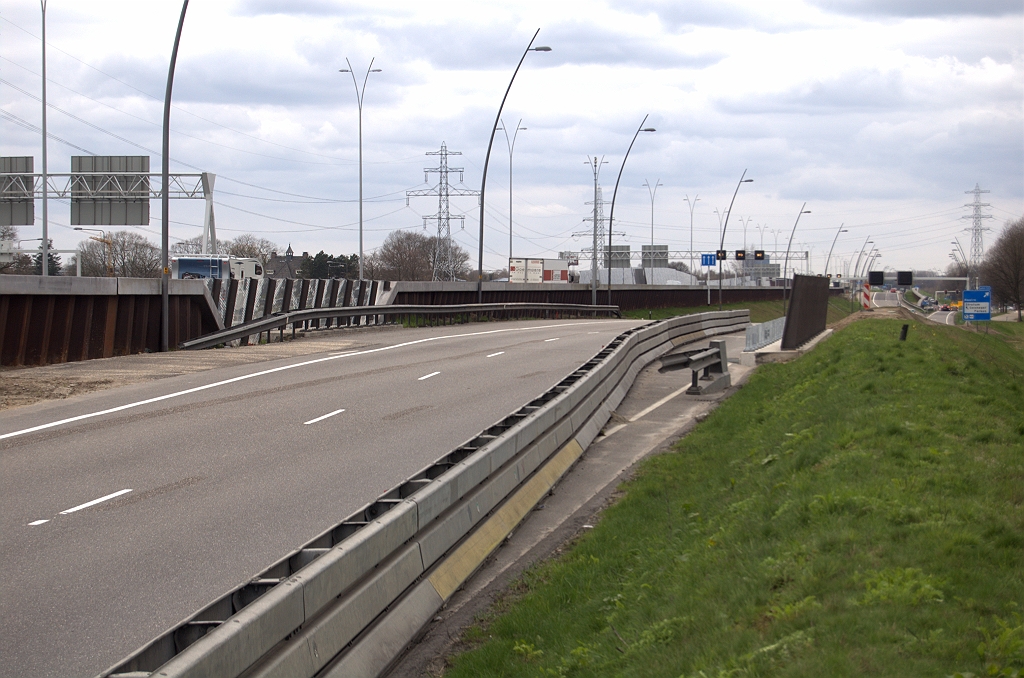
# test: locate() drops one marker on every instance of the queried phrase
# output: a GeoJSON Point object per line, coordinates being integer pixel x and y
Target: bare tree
{"type": "Point", "coordinates": [21, 263]}
{"type": "Point", "coordinates": [1003, 267]}
{"type": "Point", "coordinates": [132, 256]}
{"type": "Point", "coordinates": [409, 255]}
{"type": "Point", "coordinates": [404, 255]}
{"type": "Point", "coordinates": [248, 245]}
{"type": "Point", "coordinates": [195, 246]}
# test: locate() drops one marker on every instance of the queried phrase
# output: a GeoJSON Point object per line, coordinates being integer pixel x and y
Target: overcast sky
{"type": "Point", "coordinates": [879, 114]}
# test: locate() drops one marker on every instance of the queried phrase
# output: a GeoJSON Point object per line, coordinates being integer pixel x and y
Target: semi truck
{"type": "Point", "coordinates": [225, 268]}
{"type": "Point", "coordinates": [538, 271]}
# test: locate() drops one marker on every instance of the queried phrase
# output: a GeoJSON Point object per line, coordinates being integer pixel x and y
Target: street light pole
{"type": "Point", "coordinates": [359, 102]}
{"type": "Point", "coordinates": [511, 147]}
{"type": "Point", "coordinates": [652, 190]}
{"type": "Point", "coordinates": [487, 159]}
{"type": "Point", "coordinates": [45, 267]}
{"type": "Point", "coordinates": [691, 205]}
{"type": "Point", "coordinates": [829, 257]}
{"type": "Point", "coordinates": [165, 167]}
{"type": "Point", "coordinates": [785, 280]}
{"type": "Point", "coordinates": [611, 213]}
{"type": "Point", "coordinates": [721, 243]}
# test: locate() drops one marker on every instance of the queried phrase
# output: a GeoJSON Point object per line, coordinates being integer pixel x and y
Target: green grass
{"type": "Point", "coordinates": [760, 311]}
{"type": "Point", "coordinates": [856, 512]}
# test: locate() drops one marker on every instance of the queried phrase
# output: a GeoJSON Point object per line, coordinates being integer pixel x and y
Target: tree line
{"type": "Point", "coordinates": [404, 255]}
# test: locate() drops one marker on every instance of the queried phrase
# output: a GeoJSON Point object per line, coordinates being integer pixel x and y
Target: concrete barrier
{"type": "Point", "coordinates": [352, 599]}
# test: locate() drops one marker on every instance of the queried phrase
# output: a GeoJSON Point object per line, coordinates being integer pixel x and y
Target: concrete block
{"type": "Point", "coordinates": [531, 460]}
{"type": "Point", "coordinates": [469, 473]}
{"type": "Point", "coordinates": [445, 532]}
{"type": "Point", "coordinates": [175, 287]}
{"type": "Point", "coordinates": [503, 448]}
{"type": "Point", "coordinates": [329, 575]}
{"type": "Point", "coordinates": [60, 284]}
{"type": "Point", "coordinates": [140, 286]}
{"type": "Point", "coordinates": [245, 637]}
{"type": "Point", "coordinates": [432, 500]}
{"type": "Point", "coordinates": [323, 638]}
{"type": "Point", "coordinates": [373, 653]}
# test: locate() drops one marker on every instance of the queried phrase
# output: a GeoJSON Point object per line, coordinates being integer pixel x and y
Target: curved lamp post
{"type": "Point", "coordinates": [721, 242]}
{"type": "Point", "coordinates": [165, 168]}
{"type": "Point", "coordinates": [611, 213]}
{"type": "Point", "coordinates": [785, 283]}
{"type": "Point", "coordinates": [829, 257]}
{"type": "Point", "coordinates": [487, 159]}
{"type": "Point", "coordinates": [511, 143]}
{"type": "Point", "coordinates": [359, 101]}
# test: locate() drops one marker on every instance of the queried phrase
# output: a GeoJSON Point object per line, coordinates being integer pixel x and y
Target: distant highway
{"type": "Point", "coordinates": [124, 511]}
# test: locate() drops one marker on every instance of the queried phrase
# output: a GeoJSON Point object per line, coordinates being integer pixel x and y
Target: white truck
{"type": "Point", "coordinates": [199, 267]}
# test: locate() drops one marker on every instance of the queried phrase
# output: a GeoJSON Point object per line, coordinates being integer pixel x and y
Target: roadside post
{"type": "Point", "coordinates": [708, 260]}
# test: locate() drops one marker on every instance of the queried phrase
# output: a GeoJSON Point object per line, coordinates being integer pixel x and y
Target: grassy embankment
{"type": "Point", "coordinates": [760, 311]}
{"type": "Point", "coordinates": [859, 511]}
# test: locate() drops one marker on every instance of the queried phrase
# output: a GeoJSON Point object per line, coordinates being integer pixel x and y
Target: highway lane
{"type": "Point", "coordinates": [226, 479]}
{"type": "Point", "coordinates": [944, 317]}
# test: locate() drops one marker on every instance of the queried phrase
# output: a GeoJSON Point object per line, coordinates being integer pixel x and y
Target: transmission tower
{"type": "Point", "coordinates": [976, 229]}
{"type": "Point", "coordinates": [445, 266]}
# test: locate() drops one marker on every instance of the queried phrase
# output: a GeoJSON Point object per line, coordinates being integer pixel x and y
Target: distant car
{"type": "Point", "coordinates": [944, 308]}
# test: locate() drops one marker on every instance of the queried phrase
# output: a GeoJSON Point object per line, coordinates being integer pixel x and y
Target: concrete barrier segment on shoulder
{"type": "Point", "coordinates": [351, 599]}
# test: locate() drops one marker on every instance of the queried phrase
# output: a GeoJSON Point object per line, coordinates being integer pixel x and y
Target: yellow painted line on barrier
{"type": "Point", "coordinates": [457, 567]}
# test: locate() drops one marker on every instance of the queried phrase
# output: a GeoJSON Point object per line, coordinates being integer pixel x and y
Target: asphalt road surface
{"type": "Point", "coordinates": [124, 511]}
{"type": "Point", "coordinates": [944, 317]}
{"type": "Point", "coordinates": [885, 299]}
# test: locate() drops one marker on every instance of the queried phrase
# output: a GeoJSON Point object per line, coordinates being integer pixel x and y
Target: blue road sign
{"type": "Point", "coordinates": [977, 304]}
{"type": "Point", "coordinates": [707, 260]}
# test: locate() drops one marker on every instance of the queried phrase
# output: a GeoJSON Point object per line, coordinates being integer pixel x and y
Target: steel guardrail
{"type": "Point", "coordinates": [281, 319]}
{"type": "Point", "coordinates": [351, 599]}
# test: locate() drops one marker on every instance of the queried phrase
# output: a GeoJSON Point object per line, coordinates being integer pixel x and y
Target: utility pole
{"type": "Point", "coordinates": [444, 259]}
{"type": "Point", "coordinates": [976, 229]}
{"type": "Point", "coordinates": [46, 222]}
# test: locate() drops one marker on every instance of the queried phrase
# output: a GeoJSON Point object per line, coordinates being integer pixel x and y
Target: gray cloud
{"type": "Point", "coordinates": [920, 8]}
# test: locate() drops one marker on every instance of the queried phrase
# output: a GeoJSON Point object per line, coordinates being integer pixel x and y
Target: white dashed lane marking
{"type": "Point", "coordinates": [322, 417]}
{"type": "Point", "coordinates": [428, 376]}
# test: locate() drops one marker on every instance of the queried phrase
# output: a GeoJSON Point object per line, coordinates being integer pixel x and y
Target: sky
{"type": "Point", "coordinates": [878, 114]}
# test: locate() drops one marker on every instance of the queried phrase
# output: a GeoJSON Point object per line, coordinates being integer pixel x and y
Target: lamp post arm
{"type": "Point", "coordinates": [829, 258]}
{"type": "Point", "coordinates": [165, 166]}
{"type": "Point", "coordinates": [483, 180]}
{"type": "Point", "coordinates": [721, 243]}
{"type": "Point", "coordinates": [786, 265]}
{"type": "Point", "coordinates": [611, 212]}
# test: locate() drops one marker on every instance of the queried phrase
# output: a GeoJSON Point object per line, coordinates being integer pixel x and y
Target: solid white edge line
{"type": "Point", "coordinates": [38, 522]}
{"type": "Point", "coordinates": [95, 501]}
{"type": "Point", "coordinates": [648, 410]}
{"type": "Point", "coordinates": [612, 430]}
{"type": "Point", "coordinates": [166, 396]}
{"type": "Point", "coordinates": [428, 376]}
{"type": "Point", "coordinates": [494, 354]}
{"type": "Point", "coordinates": [322, 417]}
